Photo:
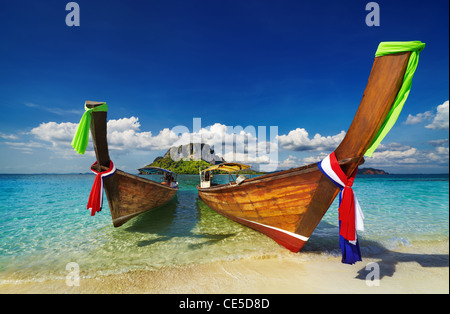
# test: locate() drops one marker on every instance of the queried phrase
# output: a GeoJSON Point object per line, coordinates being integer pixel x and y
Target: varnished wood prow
{"type": "Point", "coordinates": [128, 195]}
{"type": "Point", "coordinates": [99, 133]}
{"type": "Point", "coordinates": [288, 205]}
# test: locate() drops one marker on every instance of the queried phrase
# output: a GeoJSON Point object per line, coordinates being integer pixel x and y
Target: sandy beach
{"type": "Point", "coordinates": [409, 270]}
{"type": "Point", "coordinates": [187, 248]}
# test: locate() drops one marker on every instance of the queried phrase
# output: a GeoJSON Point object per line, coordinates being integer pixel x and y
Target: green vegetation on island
{"type": "Point", "coordinates": [187, 159]}
{"type": "Point", "coordinates": [190, 159]}
{"type": "Point", "coordinates": [185, 163]}
{"type": "Point", "coordinates": [181, 166]}
{"type": "Point", "coordinates": [189, 166]}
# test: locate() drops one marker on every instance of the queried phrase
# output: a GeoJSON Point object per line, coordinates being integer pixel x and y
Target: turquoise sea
{"type": "Point", "coordinates": [44, 225]}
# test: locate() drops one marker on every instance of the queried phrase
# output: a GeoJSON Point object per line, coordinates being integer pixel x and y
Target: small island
{"type": "Point", "coordinates": [371, 171]}
{"type": "Point", "coordinates": [190, 158]}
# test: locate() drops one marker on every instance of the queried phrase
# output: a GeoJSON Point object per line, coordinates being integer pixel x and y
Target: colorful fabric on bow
{"type": "Point", "coordinates": [81, 137]}
{"type": "Point", "coordinates": [386, 48]}
{"type": "Point", "coordinates": [95, 201]}
{"type": "Point", "coordinates": [350, 213]}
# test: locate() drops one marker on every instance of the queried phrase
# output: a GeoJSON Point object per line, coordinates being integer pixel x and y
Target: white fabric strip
{"type": "Point", "coordinates": [359, 216]}
{"type": "Point", "coordinates": [113, 170]}
{"type": "Point", "coordinates": [326, 166]}
{"type": "Point", "coordinates": [281, 230]}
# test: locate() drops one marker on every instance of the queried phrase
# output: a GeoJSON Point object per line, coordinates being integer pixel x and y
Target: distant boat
{"type": "Point", "coordinates": [206, 175]}
{"type": "Point", "coordinates": [167, 178]}
{"type": "Point", "coordinates": [288, 205]}
{"type": "Point", "coordinates": [128, 195]}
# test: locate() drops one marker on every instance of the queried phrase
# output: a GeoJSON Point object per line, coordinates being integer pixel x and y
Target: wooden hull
{"type": "Point", "coordinates": [128, 195]}
{"type": "Point", "coordinates": [272, 204]}
{"type": "Point", "coordinates": [287, 206]}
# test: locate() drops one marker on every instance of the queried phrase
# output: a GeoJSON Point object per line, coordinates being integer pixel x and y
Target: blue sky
{"type": "Point", "coordinates": [299, 65]}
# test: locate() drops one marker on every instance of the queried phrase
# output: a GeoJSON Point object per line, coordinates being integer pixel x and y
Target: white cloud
{"type": "Point", "coordinates": [418, 118]}
{"type": "Point", "coordinates": [231, 143]}
{"type": "Point", "coordinates": [290, 162]}
{"type": "Point", "coordinates": [8, 136]}
{"type": "Point", "coordinates": [392, 147]}
{"type": "Point", "coordinates": [313, 159]}
{"type": "Point", "coordinates": [235, 143]}
{"type": "Point", "coordinates": [59, 134]}
{"type": "Point", "coordinates": [298, 140]}
{"type": "Point", "coordinates": [294, 161]}
{"type": "Point", "coordinates": [246, 158]}
{"type": "Point", "coordinates": [124, 135]}
{"type": "Point", "coordinates": [441, 142]}
{"type": "Point", "coordinates": [395, 154]}
{"type": "Point", "coordinates": [388, 156]}
{"type": "Point", "coordinates": [24, 146]}
{"type": "Point", "coordinates": [442, 150]}
{"type": "Point", "coordinates": [54, 110]}
{"type": "Point", "coordinates": [440, 120]}
{"type": "Point", "coordinates": [124, 124]}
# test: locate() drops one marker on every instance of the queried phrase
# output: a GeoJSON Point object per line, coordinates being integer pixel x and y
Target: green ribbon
{"type": "Point", "coordinates": [81, 138]}
{"type": "Point", "coordinates": [386, 48]}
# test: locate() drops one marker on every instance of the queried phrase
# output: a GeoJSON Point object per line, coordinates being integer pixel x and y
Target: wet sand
{"type": "Point", "coordinates": [403, 271]}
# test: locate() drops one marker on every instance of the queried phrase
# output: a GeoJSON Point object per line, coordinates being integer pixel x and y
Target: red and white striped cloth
{"type": "Point", "coordinates": [350, 214]}
{"type": "Point", "coordinates": [95, 201]}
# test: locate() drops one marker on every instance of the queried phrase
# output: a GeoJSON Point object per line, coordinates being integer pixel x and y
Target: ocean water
{"type": "Point", "coordinates": [44, 225]}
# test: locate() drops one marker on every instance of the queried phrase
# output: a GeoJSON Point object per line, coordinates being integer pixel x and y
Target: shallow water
{"type": "Point", "coordinates": [44, 224]}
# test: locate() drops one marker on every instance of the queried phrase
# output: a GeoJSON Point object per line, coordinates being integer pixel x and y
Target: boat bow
{"type": "Point", "coordinates": [128, 195]}
{"type": "Point", "coordinates": [288, 205]}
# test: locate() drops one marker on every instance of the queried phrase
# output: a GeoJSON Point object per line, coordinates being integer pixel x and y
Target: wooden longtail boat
{"type": "Point", "coordinates": [128, 195]}
{"type": "Point", "coordinates": [288, 205]}
{"type": "Point", "coordinates": [168, 178]}
{"type": "Point", "coordinates": [229, 167]}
